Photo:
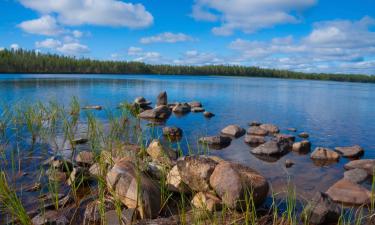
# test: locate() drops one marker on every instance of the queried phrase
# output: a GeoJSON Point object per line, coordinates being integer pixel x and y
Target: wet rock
{"type": "Point", "coordinates": [254, 139]}
{"type": "Point", "coordinates": [206, 201]}
{"type": "Point", "coordinates": [158, 113]}
{"type": "Point", "coordinates": [324, 154]}
{"type": "Point", "coordinates": [92, 211]}
{"type": "Point", "coordinates": [174, 181]}
{"type": "Point", "coordinates": [79, 141]}
{"type": "Point", "coordinates": [366, 164]}
{"type": "Point", "coordinates": [85, 158]}
{"type": "Point", "coordinates": [173, 220]}
{"type": "Point", "coordinates": [256, 130]}
{"type": "Point", "coordinates": [285, 137]}
{"type": "Point", "coordinates": [255, 123]}
{"type": "Point", "coordinates": [124, 179]}
{"type": "Point", "coordinates": [162, 99]}
{"type": "Point", "coordinates": [303, 135]}
{"type": "Point", "coordinates": [270, 128]}
{"type": "Point", "coordinates": [129, 216]}
{"type": "Point", "coordinates": [270, 148]}
{"type": "Point", "coordinates": [291, 129]}
{"type": "Point", "coordinates": [322, 210]}
{"type": "Point", "coordinates": [50, 217]}
{"type": "Point", "coordinates": [197, 109]}
{"type": "Point", "coordinates": [347, 192]}
{"type": "Point", "coordinates": [356, 175]}
{"type": "Point", "coordinates": [95, 107]}
{"type": "Point", "coordinates": [172, 132]}
{"type": "Point", "coordinates": [56, 175]}
{"type": "Point", "coordinates": [195, 171]}
{"type": "Point", "coordinates": [94, 170]}
{"type": "Point", "coordinates": [112, 218]}
{"type": "Point", "coordinates": [58, 163]}
{"type": "Point", "coordinates": [233, 131]}
{"type": "Point", "coordinates": [351, 151]}
{"type": "Point", "coordinates": [208, 114]}
{"type": "Point", "coordinates": [216, 141]}
{"type": "Point", "coordinates": [302, 146]}
{"type": "Point", "coordinates": [181, 108]}
{"type": "Point", "coordinates": [142, 102]}
{"type": "Point", "coordinates": [195, 104]}
{"type": "Point", "coordinates": [160, 153]}
{"type": "Point", "coordinates": [289, 163]}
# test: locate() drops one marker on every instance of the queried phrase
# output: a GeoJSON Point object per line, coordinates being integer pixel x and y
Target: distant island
{"type": "Point", "coordinates": [27, 61]}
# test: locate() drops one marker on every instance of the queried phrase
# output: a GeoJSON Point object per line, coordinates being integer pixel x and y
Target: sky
{"type": "Point", "coordinates": [335, 36]}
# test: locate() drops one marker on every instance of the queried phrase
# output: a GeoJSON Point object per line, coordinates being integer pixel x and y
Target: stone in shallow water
{"type": "Point", "coordinates": [351, 151]}
{"type": "Point", "coordinates": [216, 141]}
{"type": "Point", "coordinates": [270, 128]}
{"type": "Point", "coordinates": [347, 192]}
{"type": "Point", "coordinates": [326, 154]}
{"type": "Point", "coordinates": [172, 132]}
{"type": "Point", "coordinates": [303, 135]}
{"type": "Point", "coordinates": [162, 99]}
{"type": "Point", "coordinates": [195, 104]}
{"type": "Point", "coordinates": [159, 113]}
{"type": "Point", "coordinates": [197, 109]}
{"type": "Point", "coordinates": [254, 139]}
{"type": "Point", "coordinates": [208, 114]}
{"type": "Point", "coordinates": [356, 175]}
{"type": "Point", "coordinates": [255, 130]}
{"type": "Point", "coordinates": [322, 210]}
{"type": "Point", "coordinates": [233, 131]}
{"type": "Point", "coordinates": [270, 148]}
{"type": "Point", "coordinates": [302, 146]}
{"type": "Point", "coordinates": [366, 164]}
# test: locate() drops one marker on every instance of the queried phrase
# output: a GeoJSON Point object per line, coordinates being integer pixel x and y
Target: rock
{"type": "Point", "coordinates": [158, 113]}
{"type": "Point", "coordinates": [172, 132]}
{"type": "Point", "coordinates": [324, 154]}
{"type": "Point", "coordinates": [79, 141]}
{"type": "Point", "coordinates": [216, 141]}
{"type": "Point", "coordinates": [129, 216]}
{"type": "Point", "coordinates": [347, 192]}
{"type": "Point", "coordinates": [162, 99]}
{"type": "Point", "coordinates": [197, 109]}
{"type": "Point", "coordinates": [270, 128]}
{"type": "Point", "coordinates": [351, 151]}
{"type": "Point", "coordinates": [233, 131]}
{"type": "Point", "coordinates": [56, 175]}
{"type": "Point", "coordinates": [195, 171]}
{"type": "Point", "coordinates": [255, 130]}
{"type": "Point", "coordinates": [50, 217]}
{"type": "Point", "coordinates": [289, 163]}
{"type": "Point", "coordinates": [366, 164]}
{"type": "Point", "coordinates": [285, 137]}
{"type": "Point", "coordinates": [85, 158]}
{"type": "Point", "coordinates": [195, 104]}
{"type": "Point", "coordinates": [92, 213]}
{"type": "Point", "coordinates": [95, 107]}
{"type": "Point", "coordinates": [58, 163]}
{"type": "Point", "coordinates": [206, 201]}
{"type": "Point", "coordinates": [322, 210]}
{"type": "Point", "coordinates": [174, 181]}
{"type": "Point", "coordinates": [119, 151]}
{"type": "Point", "coordinates": [270, 148]}
{"type": "Point", "coordinates": [303, 135]}
{"type": "Point", "coordinates": [34, 187]}
{"type": "Point", "coordinates": [155, 170]}
{"type": "Point", "coordinates": [208, 114]}
{"type": "Point", "coordinates": [124, 179]}
{"type": "Point", "coordinates": [181, 108]}
{"type": "Point", "coordinates": [291, 129]}
{"type": "Point", "coordinates": [233, 182]}
{"type": "Point", "coordinates": [356, 175]}
{"type": "Point", "coordinates": [254, 139]}
{"type": "Point", "coordinates": [94, 170]}
{"type": "Point", "coordinates": [302, 146]}
{"type": "Point", "coordinates": [173, 220]}
{"type": "Point", "coordinates": [112, 218]}
{"type": "Point", "coordinates": [160, 153]}
{"type": "Point", "coordinates": [79, 175]}
{"type": "Point", "coordinates": [255, 123]}
{"type": "Point", "coordinates": [142, 102]}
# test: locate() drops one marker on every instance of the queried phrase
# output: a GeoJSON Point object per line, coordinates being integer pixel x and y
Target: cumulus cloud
{"type": "Point", "coordinates": [73, 49]}
{"type": "Point", "coordinates": [332, 46]}
{"type": "Point", "coordinates": [248, 15]}
{"type": "Point", "coordinates": [48, 43]}
{"type": "Point", "coordinates": [166, 37]}
{"type": "Point", "coordinates": [140, 55]}
{"type": "Point", "coordinates": [45, 25]}
{"type": "Point", "coordinates": [94, 12]}
{"type": "Point", "coordinates": [194, 57]}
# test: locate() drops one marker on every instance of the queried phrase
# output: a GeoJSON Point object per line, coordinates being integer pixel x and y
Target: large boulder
{"type": "Point", "coordinates": [350, 151]}
{"type": "Point", "coordinates": [366, 164]}
{"type": "Point", "coordinates": [347, 192]}
{"type": "Point", "coordinates": [271, 148]}
{"type": "Point", "coordinates": [254, 139]}
{"type": "Point", "coordinates": [162, 99]}
{"type": "Point", "coordinates": [134, 189]}
{"type": "Point", "coordinates": [160, 153]}
{"type": "Point", "coordinates": [356, 175]}
{"type": "Point", "coordinates": [302, 146]}
{"type": "Point", "coordinates": [159, 113]}
{"type": "Point", "coordinates": [322, 210]}
{"type": "Point", "coordinates": [234, 182]}
{"type": "Point", "coordinates": [256, 130]}
{"type": "Point", "coordinates": [233, 131]}
{"type": "Point", "coordinates": [270, 128]}
{"type": "Point", "coordinates": [324, 154]}
{"type": "Point", "coordinates": [216, 141]}
{"type": "Point", "coordinates": [195, 171]}
{"type": "Point", "coordinates": [142, 102]}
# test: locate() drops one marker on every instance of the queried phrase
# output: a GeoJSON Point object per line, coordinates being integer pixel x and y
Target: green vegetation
{"type": "Point", "coordinates": [22, 61]}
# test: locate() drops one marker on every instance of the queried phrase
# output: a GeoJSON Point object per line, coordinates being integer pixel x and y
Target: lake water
{"type": "Point", "coordinates": [333, 113]}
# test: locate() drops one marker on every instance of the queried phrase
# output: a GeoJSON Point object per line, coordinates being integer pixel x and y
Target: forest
{"type": "Point", "coordinates": [29, 61]}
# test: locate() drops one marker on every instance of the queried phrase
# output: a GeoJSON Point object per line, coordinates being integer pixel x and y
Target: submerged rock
{"type": "Point", "coordinates": [208, 114]}
{"type": "Point", "coordinates": [302, 146]}
{"type": "Point", "coordinates": [351, 151]}
{"type": "Point", "coordinates": [356, 175]}
{"type": "Point", "coordinates": [162, 99]}
{"type": "Point", "coordinates": [195, 104]}
{"type": "Point", "coordinates": [255, 130]}
{"type": "Point", "coordinates": [303, 135]}
{"type": "Point", "coordinates": [158, 113]}
{"type": "Point", "coordinates": [271, 148]}
{"type": "Point", "coordinates": [173, 132]}
{"type": "Point", "coordinates": [347, 192]}
{"type": "Point", "coordinates": [324, 154]}
{"type": "Point", "coordinates": [233, 131]}
{"type": "Point", "coordinates": [254, 139]}
{"type": "Point", "coordinates": [216, 141]}
{"type": "Point", "coordinates": [270, 128]}
{"type": "Point", "coordinates": [322, 210]}
{"type": "Point", "coordinates": [366, 164]}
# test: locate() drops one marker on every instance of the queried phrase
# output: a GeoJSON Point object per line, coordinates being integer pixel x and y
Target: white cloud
{"type": "Point", "coordinates": [166, 37]}
{"type": "Point", "coordinates": [194, 57]}
{"type": "Point", "coordinates": [77, 33]}
{"type": "Point", "coordinates": [138, 54]}
{"type": "Point", "coordinates": [248, 15]}
{"type": "Point", "coordinates": [94, 12]}
{"type": "Point", "coordinates": [73, 49]}
{"type": "Point", "coordinates": [2, 48]}
{"type": "Point", "coordinates": [14, 46]}
{"type": "Point", "coordinates": [332, 46]}
{"type": "Point", "coordinates": [48, 43]}
{"type": "Point", "coordinates": [45, 25]}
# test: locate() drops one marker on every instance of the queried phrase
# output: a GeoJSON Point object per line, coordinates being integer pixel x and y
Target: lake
{"type": "Point", "coordinates": [333, 113]}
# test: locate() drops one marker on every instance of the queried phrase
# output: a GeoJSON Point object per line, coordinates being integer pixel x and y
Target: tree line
{"type": "Point", "coordinates": [28, 61]}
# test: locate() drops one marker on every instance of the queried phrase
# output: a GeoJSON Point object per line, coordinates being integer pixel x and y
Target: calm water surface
{"type": "Point", "coordinates": [333, 113]}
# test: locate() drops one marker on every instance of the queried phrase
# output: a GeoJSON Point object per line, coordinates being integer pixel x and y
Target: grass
{"type": "Point", "coordinates": [28, 125]}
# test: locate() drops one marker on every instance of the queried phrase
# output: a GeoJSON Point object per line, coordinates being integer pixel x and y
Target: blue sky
{"type": "Point", "coordinates": [303, 35]}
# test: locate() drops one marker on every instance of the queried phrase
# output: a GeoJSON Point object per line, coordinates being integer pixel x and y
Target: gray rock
{"type": "Point", "coordinates": [366, 164]}
{"type": "Point", "coordinates": [350, 151]}
{"type": "Point", "coordinates": [158, 113]}
{"type": "Point", "coordinates": [256, 130]}
{"type": "Point", "coordinates": [270, 148]}
{"type": "Point", "coordinates": [270, 128]}
{"type": "Point", "coordinates": [254, 139]}
{"type": "Point", "coordinates": [172, 132]}
{"type": "Point", "coordinates": [285, 137]}
{"type": "Point", "coordinates": [303, 135]}
{"type": "Point", "coordinates": [216, 141]}
{"type": "Point", "coordinates": [322, 210]}
{"type": "Point", "coordinates": [356, 175]}
{"type": "Point", "coordinates": [302, 146]}
{"type": "Point", "coordinates": [208, 114]}
{"type": "Point", "coordinates": [181, 108]}
{"type": "Point", "coordinates": [162, 99]}
{"type": "Point", "coordinates": [233, 131]}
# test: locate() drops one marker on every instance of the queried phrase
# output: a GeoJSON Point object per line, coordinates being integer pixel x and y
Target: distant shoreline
{"type": "Point", "coordinates": [30, 62]}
